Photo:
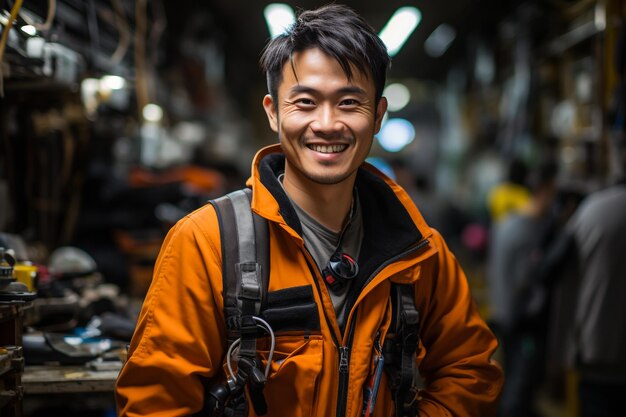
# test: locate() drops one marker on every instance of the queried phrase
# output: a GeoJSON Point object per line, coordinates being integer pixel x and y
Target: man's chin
{"type": "Point", "coordinates": [328, 178]}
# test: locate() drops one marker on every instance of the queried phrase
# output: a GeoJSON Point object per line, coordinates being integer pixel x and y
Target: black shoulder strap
{"type": "Point", "coordinates": [245, 276]}
{"type": "Point", "coordinates": [400, 349]}
{"type": "Point", "coordinates": [245, 264]}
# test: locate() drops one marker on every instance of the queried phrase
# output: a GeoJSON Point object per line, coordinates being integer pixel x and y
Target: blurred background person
{"type": "Point", "coordinates": [598, 333]}
{"type": "Point", "coordinates": [510, 195]}
{"type": "Point", "coordinates": [517, 246]}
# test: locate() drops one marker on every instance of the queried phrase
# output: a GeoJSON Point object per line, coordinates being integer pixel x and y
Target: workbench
{"type": "Point", "coordinates": [70, 390]}
{"type": "Point", "coordinates": [53, 379]}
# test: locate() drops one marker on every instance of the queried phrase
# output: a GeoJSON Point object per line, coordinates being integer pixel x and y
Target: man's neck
{"type": "Point", "coordinates": [328, 204]}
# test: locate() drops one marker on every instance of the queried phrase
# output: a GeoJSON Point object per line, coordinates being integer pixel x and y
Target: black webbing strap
{"type": "Point", "coordinates": [235, 220]}
{"type": "Point", "coordinates": [245, 279]}
{"type": "Point", "coordinates": [247, 272]}
{"type": "Point", "coordinates": [230, 255]}
{"type": "Point", "coordinates": [400, 350]}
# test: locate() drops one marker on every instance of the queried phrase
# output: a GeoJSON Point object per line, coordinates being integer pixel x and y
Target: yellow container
{"type": "Point", "coordinates": [26, 274]}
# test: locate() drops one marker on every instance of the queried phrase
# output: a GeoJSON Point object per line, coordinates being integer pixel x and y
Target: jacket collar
{"type": "Point", "coordinates": [388, 212]}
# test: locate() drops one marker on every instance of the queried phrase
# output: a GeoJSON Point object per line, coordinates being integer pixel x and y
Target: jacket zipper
{"type": "Point", "coordinates": [344, 351]}
{"type": "Point", "coordinates": [344, 373]}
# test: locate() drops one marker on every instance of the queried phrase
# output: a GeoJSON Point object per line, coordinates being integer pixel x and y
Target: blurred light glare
{"type": "Point", "coordinates": [152, 113]}
{"type": "Point", "coordinates": [398, 96]}
{"type": "Point", "coordinates": [29, 30]}
{"type": "Point", "coordinates": [90, 85]}
{"type": "Point", "coordinates": [396, 134]}
{"type": "Point", "coordinates": [399, 28]}
{"type": "Point", "coordinates": [113, 82]}
{"type": "Point", "coordinates": [278, 16]}
{"type": "Point", "coordinates": [89, 88]}
{"type": "Point", "coordinates": [440, 40]}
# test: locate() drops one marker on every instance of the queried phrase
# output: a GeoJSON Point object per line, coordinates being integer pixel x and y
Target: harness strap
{"type": "Point", "coordinates": [245, 267]}
{"type": "Point", "coordinates": [248, 273]}
{"type": "Point", "coordinates": [401, 349]}
{"type": "Point", "coordinates": [245, 280]}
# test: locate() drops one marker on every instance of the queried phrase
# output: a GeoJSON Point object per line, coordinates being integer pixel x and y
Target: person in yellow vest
{"type": "Point", "coordinates": [510, 196]}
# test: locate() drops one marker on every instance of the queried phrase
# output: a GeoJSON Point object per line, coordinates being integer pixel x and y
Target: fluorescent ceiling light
{"type": "Point", "coordinates": [439, 41]}
{"type": "Point", "coordinates": [399, 28]}
{"type": "Point", "coordinates": [397, 95]}
{"type": "Point", "coordinates": [279, 17]}
{"type": "Point", "coordinates": [29, 30]}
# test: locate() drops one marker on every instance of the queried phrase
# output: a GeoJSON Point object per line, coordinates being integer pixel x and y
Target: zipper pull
{"type": "Point", "coordinates": [344, 354]}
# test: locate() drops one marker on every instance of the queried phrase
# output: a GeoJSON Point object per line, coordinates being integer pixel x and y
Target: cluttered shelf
{"type": "Point", "coordinates": [63, 335]}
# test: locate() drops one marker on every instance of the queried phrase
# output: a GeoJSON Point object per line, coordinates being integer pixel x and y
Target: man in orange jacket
{"type": "Point", "coordinates": [325, 79]}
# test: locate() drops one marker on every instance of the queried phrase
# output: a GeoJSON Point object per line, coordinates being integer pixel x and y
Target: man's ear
{"type": "Point", "coordinates": [381, 108]}
{"type": "Point", "coordinates": [270, 111]}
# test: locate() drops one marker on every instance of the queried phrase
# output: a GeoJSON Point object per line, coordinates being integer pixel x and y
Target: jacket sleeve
{"type": "Point", "coordinates": [461, 379]}
{"type": "Point", "coordinates": [178, 343]}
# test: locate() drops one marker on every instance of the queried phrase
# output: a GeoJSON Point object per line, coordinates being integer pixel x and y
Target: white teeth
{"type": "Point", "coordinates": [328, 148]}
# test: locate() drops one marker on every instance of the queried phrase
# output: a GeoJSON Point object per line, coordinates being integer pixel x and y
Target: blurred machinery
{"type": "Point", "coordinates": [15, 296]}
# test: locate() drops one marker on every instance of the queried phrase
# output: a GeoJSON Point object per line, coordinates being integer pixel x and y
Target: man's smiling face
{"type": "Point", "coordinates": [325, 122]}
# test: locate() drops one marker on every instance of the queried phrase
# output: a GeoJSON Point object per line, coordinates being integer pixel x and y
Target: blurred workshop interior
{"type": "Point", "coordinates": [119, 117]}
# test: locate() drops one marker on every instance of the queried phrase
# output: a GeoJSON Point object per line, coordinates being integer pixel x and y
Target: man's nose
{"type": "Point", "coordinates": [327, 121]}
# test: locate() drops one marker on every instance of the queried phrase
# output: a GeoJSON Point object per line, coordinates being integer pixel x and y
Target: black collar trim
{"type": "Point", "coordinates": [388, 227]}
{"type": "Point", "coordinates": [270, 168]}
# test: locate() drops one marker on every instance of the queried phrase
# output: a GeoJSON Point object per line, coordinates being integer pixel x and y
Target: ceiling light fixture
{"type": "Point", "coordinates": [278, 16]}
{"type": "Point", "coordinates": [439, 41]}
{"type": "Point", "coordinates": [29, 30]}
{"type": "Point", "coordinates": [399, 28]}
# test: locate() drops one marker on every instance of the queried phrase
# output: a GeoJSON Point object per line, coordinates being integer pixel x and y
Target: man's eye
{"type": "Point", "coordinates": [349, 102]}
{"type": "Point", "coordinates": [305, 101]}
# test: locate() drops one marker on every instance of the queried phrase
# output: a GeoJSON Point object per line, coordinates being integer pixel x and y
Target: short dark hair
{"type": "Point", "coordinates": [340, 33]}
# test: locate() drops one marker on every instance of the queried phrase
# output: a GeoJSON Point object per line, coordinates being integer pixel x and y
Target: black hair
{"type": "Point", "coordinates": [339, 32]}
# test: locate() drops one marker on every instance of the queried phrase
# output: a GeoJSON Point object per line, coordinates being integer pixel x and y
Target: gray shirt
{"type": "Point", "coordinates": [322, 242]}
{"type": "Point", "coordinates": [599, 227]}
{"type": "Point", "coordinates": [512, 243]}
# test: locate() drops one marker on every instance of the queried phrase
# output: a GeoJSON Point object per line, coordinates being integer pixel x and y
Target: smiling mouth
{"type": "Point", "coordinates": [328, 148]}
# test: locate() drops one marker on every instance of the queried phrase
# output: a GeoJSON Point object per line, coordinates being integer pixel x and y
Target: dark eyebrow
{"type": "Point", "coordinates": [352, 90]}
{"type": "Point", "coordinates": [345, 90]}
{"type": "Point", "coordinates": [302, 89]}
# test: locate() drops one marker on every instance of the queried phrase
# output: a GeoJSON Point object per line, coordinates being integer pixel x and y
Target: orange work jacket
{"type": "Point", "coordinates": [179, 344]}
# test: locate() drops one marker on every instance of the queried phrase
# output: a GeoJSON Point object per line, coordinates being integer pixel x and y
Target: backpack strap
{"type": "Point", "coordinates": [245, 277]}
{"type": "Point", "coordinates": [245, 265]}
{"type": "Point", "coordinates": [400, 349]}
